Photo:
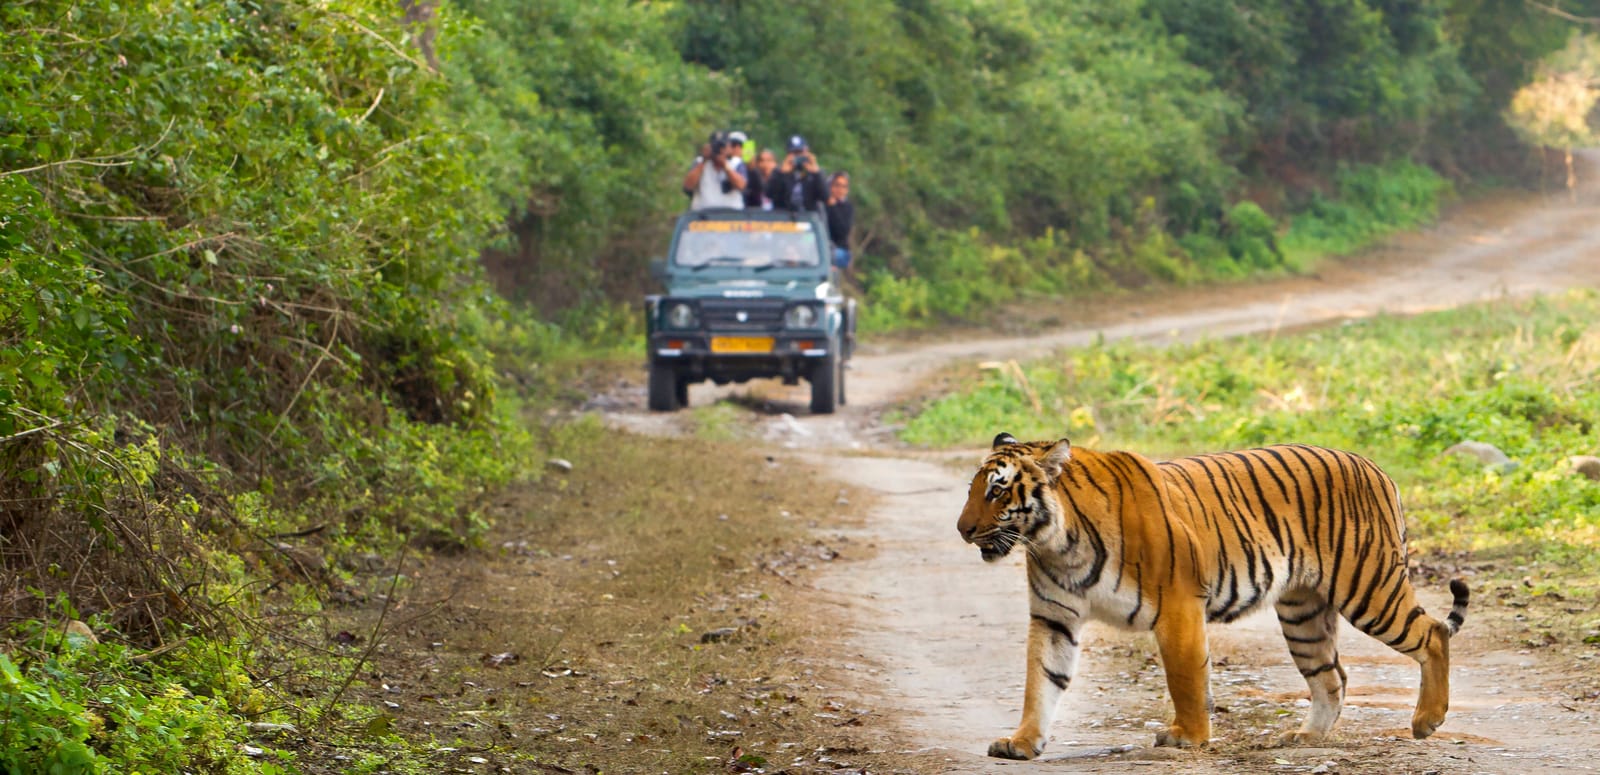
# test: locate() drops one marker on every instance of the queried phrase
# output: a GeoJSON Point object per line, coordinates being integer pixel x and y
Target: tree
{"type": "Point", "coordinates": [1553, 110]}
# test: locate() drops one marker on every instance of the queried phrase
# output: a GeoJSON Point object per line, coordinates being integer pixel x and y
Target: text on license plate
{"type": "Point", "coordinates": [741, 344]}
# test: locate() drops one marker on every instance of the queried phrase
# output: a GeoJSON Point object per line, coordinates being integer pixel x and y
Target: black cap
{"type": "Point", "coordinates": [796, 143]}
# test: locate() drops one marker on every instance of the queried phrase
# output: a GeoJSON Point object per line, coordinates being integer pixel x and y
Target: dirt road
{"type": "Point", "coordinates": [946, 631]}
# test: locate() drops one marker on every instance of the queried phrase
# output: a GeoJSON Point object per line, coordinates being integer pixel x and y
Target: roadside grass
{"type": "Point", "coordinates": [641, 613]}
{"type": "Point", "coordinates": [1519, 375]}
{"type": "Point", "coordinates": [720, 421]}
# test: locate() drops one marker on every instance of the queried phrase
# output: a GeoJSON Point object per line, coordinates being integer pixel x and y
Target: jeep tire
{"type": "Point", "coordinates": [826, 384]}
{"type": "Point", "coordinates": [664, 388]}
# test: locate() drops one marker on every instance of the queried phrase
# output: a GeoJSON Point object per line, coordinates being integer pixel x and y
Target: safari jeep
{"type": "Point", "coordinates": [749, 294]}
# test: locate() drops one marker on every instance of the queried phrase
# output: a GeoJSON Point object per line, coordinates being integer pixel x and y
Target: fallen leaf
{"type": "Point", "coordinates": [500, 660]}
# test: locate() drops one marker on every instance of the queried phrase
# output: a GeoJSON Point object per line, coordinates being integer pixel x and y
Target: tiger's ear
{"type": "Point", "coordinates": [1003, 439]}
{"type": "Point", "coordinates": [1056, 458]}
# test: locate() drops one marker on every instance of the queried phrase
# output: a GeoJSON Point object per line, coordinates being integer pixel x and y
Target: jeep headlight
{"type": "Point", "coordinates": [681, 315]}
{"type": "Point", "coordinates": [800, 316]}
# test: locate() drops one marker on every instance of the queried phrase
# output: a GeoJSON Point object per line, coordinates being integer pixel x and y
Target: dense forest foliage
{"type": "Point", "coordinates": [242, 243]}
{"type": "Point", "coordinates": [1050, 144]}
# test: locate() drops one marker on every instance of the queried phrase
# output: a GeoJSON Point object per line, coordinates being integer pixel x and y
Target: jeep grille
{"type": "Point", "coordinates": [757, 314]}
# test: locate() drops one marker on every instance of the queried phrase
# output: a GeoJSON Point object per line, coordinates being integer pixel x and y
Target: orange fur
{"type": "Point", "coordinates": [1167, 547]}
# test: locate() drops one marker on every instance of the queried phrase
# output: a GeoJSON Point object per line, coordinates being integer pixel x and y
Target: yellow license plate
{"type": "Point", "coordinates": [741, 344]}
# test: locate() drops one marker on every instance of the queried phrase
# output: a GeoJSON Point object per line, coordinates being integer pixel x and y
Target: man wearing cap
{"type": "Point", "coordinates": [715, 180]}
{"type": "Point", "coordinates": [797, 185]}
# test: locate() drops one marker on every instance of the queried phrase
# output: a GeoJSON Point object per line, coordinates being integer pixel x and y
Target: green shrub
{"type": "Point", "coordinates": [1373, 201]}
{"type": "Point", "coordinates": [962, 276]}
{"type": "Point", "coordinates": [239, 297]}
{"type": "Point", "coordinates": [70, 707]}
{"type": "Point", "coordinates": [1252, 237]}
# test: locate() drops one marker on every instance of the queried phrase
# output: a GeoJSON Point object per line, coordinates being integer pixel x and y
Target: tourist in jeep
{"type": "Point", "coordinates": [841, 217]}
{"type": "Point", "coordinates": [755, 188]}
{"type": "Point", "coordinates": [714, 180]}
{"type": "Point", "coordinates": [798, 184]}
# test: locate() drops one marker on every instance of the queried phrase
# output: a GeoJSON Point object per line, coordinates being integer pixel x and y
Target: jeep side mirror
{"type": "Point", "coordinates": [658, 268]}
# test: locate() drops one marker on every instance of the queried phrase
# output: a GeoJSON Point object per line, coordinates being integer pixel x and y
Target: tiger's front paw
{"type": "Point", "coordinates": [1177, 737]}
{"type": "Point", "coordinates": [1299, 737]}
{"type": "Point", "coordinates": [1016, 748]}
{"type": "Point", "coordinates": [1423, 724]}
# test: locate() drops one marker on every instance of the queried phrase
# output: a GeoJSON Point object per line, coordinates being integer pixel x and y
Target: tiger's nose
{"type": "Point", "coordinates": [966, 532]}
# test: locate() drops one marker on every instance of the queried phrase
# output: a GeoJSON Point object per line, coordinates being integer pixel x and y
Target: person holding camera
{"type": "Point", "coordinates": [797, 185]}
{"type": "Point", "coordinates": [715, 179]}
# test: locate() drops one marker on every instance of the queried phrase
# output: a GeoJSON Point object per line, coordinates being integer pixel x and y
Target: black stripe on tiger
{"type": "Point", "coordinates": [1061, 680]}
{"type": "Point", "coordinates": [1057, 628]}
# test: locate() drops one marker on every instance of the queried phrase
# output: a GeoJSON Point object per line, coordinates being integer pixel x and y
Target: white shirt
{"type": "Point", "coordinates": [710, 194]}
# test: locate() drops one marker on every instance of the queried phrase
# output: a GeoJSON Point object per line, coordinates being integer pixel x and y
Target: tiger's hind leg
{"type": "Point", "coordinates": [1406, 628]}
{"type": "Point", "coordinates": [1311, 627]}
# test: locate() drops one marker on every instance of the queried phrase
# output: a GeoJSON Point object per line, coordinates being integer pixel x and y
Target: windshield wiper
{"type": "Point", "coordinates": [719, 261]}
{"type": "Point", "coordinates": [783, 265]}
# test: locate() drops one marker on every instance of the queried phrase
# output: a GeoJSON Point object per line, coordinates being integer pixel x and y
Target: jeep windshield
{"type": "Point", "coordinates": [747, 244]}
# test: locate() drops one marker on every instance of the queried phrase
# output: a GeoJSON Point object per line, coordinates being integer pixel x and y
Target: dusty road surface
{"type": "Point", "coordinates": [946, 632]}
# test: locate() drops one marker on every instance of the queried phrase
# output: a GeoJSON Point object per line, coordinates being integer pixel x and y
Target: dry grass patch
{"type": "Point", "coordinates": [645, 612]}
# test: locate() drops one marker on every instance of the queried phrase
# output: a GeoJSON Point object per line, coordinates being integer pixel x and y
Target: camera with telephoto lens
{"type": "Point", "coordinates": [801, 159]}
{"type": "Point", "coordinates": [718, 142]}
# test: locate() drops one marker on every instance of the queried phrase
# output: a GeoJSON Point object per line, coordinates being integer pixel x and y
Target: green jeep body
{"type": "Point", "coordinates": [749, 294]}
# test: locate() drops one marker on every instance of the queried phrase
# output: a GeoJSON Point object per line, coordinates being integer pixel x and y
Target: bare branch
{"type": "Point", "coordinates": [31, 431]}
{"type": "Point", "coordinates": [385, 41]}
{"type": "Point", "coordinates": [69, 162]}
{"type": "Point", "coordinates": [375, 101]}
{"type": "Point", "coordinates": [327, 352]}
{"type": "Point", "coordinates": [112, 160]}
{"type": "Point", "coordinates": [1557, 12]}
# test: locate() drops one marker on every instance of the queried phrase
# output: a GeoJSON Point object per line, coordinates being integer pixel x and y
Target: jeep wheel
{"type": "Point", "coordinates": [664, 387]}
{"type": "Point", "coordinates": [826, 379]}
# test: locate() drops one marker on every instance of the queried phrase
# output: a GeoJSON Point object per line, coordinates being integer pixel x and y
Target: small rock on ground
{"type": "Point", "coordinates": [1587, 465]}
{"type": "Point", "coordinates": [81, 631]}
{"type": "Point", "coordinates": [1488, 454]}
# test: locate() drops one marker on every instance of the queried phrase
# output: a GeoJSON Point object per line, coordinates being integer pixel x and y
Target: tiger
{"type": "Point", "coordinates": [1167, 547]}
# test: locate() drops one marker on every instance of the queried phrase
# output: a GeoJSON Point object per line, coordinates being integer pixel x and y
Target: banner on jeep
{"type": "Point", "coordinates": [750, 226]}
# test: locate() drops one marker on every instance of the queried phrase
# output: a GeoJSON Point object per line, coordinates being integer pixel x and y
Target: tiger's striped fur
{"type": "Point", "coordinates": [1112, 536]}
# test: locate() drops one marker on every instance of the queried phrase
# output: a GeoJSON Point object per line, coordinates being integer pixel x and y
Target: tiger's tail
{"type": "Point", "coordinates": [1458, 610]}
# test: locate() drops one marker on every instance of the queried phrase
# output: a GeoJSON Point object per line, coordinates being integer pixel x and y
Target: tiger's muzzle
{"type": "Point", "coordinates": [995, 544]}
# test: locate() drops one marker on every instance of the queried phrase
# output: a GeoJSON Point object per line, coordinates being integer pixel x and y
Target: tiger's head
{"type": "Point", "coordinates": [1012, 496]}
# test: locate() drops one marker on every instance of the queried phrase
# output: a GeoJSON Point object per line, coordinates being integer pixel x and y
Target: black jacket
{"type": "Point", "coordinates": [754, 188]}
{"type": "Point", "coordinates": [841, 216]}
{"type": "Point", "coordinates": [781, 189]}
